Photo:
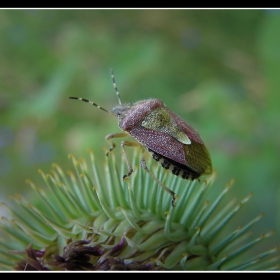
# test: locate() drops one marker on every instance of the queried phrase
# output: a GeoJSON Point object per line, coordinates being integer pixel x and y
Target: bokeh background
{"type": "Point", "coordinates": [218, 69]}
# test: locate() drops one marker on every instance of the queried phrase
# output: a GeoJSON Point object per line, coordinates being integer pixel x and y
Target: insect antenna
{"type": "Point", "coordinates": [115, 86]}
{"type": "Point", "coordinates": [90, 102]}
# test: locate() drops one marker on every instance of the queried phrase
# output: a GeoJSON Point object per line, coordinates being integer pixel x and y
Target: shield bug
{"type": "Point", "coordinates": [165, 135]}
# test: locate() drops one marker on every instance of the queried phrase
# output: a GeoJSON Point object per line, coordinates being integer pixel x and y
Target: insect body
{"type": "Point", "coordinates": [167, 137]}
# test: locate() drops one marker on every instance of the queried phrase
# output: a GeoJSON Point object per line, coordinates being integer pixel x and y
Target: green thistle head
{"type": "Point", "coordinates": [92, 220]}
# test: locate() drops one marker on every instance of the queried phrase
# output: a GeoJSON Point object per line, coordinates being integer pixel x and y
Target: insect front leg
{"type": "Point", "coordinates": [129, 144]}
{"type": "Point", "coordinates": [144, 166]}
{"type": "Point", "coordinates": [115, 135]}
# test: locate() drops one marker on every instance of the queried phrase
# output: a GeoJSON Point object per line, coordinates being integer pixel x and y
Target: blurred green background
{"type": "Point", "coordinates": [218, 69]}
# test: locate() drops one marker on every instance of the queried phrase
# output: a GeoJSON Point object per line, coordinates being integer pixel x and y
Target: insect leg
{"type": "Point", "coordinates": [115, 135]}
{"type": "Point", "coordinates": [143, 164]}
{"type": "Point", "coordinates": [129, 144]}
